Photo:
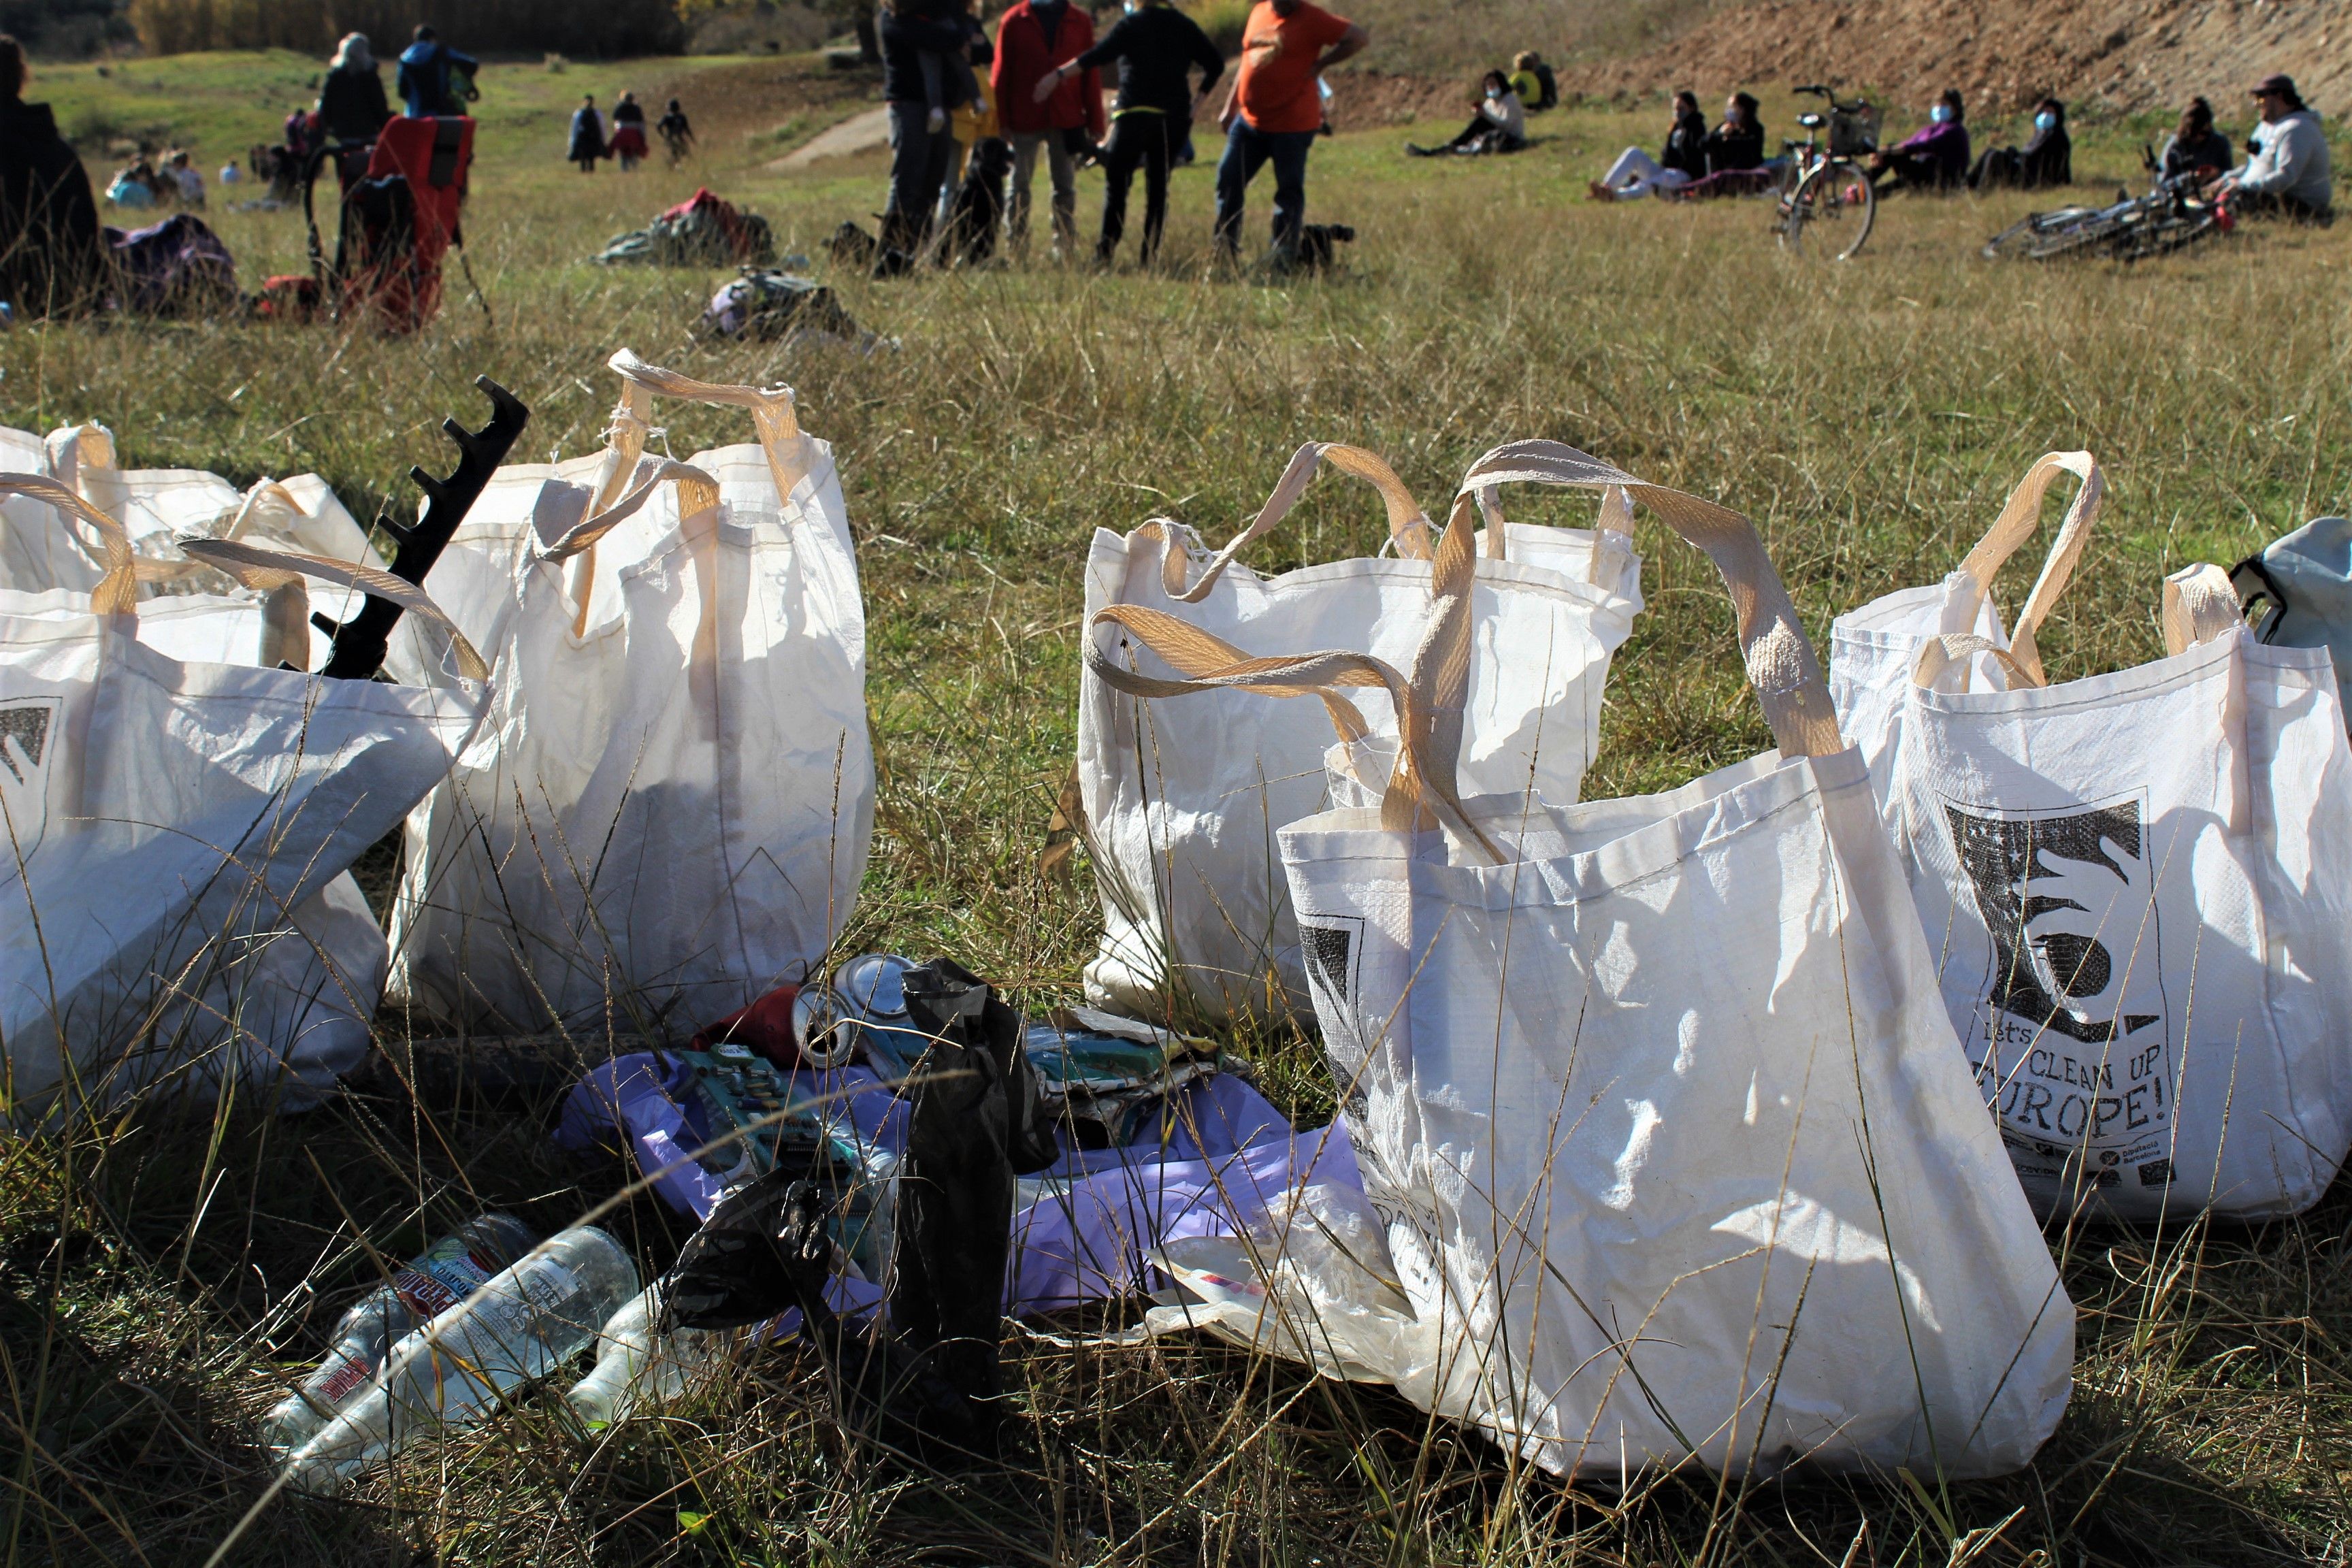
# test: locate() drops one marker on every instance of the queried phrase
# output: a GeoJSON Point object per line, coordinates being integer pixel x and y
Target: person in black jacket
{"type": "Point", "coordinates": [1684, 159]}
{"type": "Point", "coordinates": [2046, 159]}
{"type": "Point", "coordinates": [1738, 143]}
{"type": "Point", "coordinates": [921, 142]}
{"type": "Point", "coordinates": [1155, 47]}
{"type": "Point", "coordinates": [2195, 145]}
{"type": "Point", "coordinates": [52, 257]}
{"type": "Point", "coordinates": [352, 105]}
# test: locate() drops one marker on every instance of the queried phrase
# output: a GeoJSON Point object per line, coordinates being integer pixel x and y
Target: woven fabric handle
{"type": "Point", "coordinates": [1939, 653]}
{"type": "Point", "coordinates": [117, 592]}
{"type": "Point", "coordinates": [2200, 604]}
{"type": "Point", "coordinates": [268, 569]}
{"type": "Point", "coordinates": [697, 492]}
{"type": "Point", "coordinates": [1408, 527]}
{"type": "Point", "coordinates": [2019, 516]}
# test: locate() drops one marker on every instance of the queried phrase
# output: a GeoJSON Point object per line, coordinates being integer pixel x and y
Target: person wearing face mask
{"type": "Point", "coordinates": [1680, 162]}
{"type": "Point", "coordinates": [1499, 126]}
{"type": "Point", "coordinates": [1034, 40]}
{"type": "Point", "coordinates": [2046, 159]}
{"type": "Point", "coordinates": [1735, 155]}
{"type": "Point", "coordinates": [1933, 158]}
{"type": "Point", "coordinates": [2287, 175]}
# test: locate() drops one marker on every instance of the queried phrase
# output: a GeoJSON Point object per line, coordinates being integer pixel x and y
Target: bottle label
{"type": "Point", "coordinates": [448, 1276]}
{"type": "Point", "coordinates": [339, 1377]}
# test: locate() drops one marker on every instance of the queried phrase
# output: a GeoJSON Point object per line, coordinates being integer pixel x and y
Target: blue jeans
{"type": "Point", "coordinates": [1247, 150]}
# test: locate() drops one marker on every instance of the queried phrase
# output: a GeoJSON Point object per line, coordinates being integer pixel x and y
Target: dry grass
{"type": "Point", "coordinates": [1869, 417]}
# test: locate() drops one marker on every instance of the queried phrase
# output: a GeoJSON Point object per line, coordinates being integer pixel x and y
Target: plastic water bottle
{"type": "Point", "coordinates": [522, 1324]}
{"type": "Point", "coordinates": [450, 1270]}
{"type": "Point", "coordinates": [636, 1368]}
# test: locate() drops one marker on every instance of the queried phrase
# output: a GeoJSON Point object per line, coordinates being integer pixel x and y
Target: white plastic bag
{"type": "Point", "coordinates": [670, 807]}
{"type": "Point", "coordinates": [1677, 1155]}
{"type": "Point", "coordinates": [2138, 886]}
{"type": "Point", "coordinates": [1183, 800]}
{"type": "Point", "coordinates": [174, 839]}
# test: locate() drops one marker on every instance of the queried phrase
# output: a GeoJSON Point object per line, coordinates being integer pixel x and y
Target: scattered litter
{"type": "Point", "coordinates": [770, 306]}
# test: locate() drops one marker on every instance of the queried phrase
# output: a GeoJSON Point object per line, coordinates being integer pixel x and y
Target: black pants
{"type": "Point", "coordinates": [2264, 203]}
{"type": "Point", "coordinates": [1150, 140]}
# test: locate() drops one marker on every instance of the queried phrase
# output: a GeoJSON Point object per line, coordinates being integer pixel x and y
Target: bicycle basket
{"type": "Point", "coordinates": [1854, 132]}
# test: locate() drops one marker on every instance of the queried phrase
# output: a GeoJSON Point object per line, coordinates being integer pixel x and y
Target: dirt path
{"type": "Point", "coordinates": [861, 132]}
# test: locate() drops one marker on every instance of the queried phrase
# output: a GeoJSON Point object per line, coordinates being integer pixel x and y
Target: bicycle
{"type": "Point", "coordinates": [2174, 214]}
{"type": "Point", "coordinates": [1829, 191]}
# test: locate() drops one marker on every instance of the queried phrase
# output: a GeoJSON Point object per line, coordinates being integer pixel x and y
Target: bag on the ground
{"type": "Point", "coordinates": [1183, 799]}
{"type": "Point", "coordinates": [1655, 1099]}
{"type": "Point", "coordinates": [175, 908]}
{"type": "Point", "coordinates": [2300, 589]}
{"type": "Point", "coordinates": [2138, 885]}
{"type": "Point", "coordinates": [176, 268]}
{"type": "Point", "coordinates": [669, 804]}
{"type": "Point", "coordinates": [704, 230]}
{"type": "Point", "coordinates": [768, 306]}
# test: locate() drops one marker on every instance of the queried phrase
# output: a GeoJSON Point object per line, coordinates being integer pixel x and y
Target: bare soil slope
{"type": "Point", "coordinates": [2130, 54]}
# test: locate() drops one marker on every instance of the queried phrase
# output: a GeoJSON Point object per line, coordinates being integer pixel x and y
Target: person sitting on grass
{"type": "Point", "coordinates": [587, 136]}
{"type": "Point", "coordinates": [1532, 79]}
{"type": "Point", "coordinates": [1682, 159]}
{"type": "Point", "coordinates": [52, 260]}
{"type": "Point", "coordinates": [2195, 147]}
{"type": "Point", "coordinates": [2047, 158]}
{"type": "Point", "coordinates": [1735, 154]}
{"type": "Point", "coordinates": [1933, 158]}
{"type": "Point", "coordinates": [1499, 126]}
{"type": "Point", "coordinates": [2287, 175]}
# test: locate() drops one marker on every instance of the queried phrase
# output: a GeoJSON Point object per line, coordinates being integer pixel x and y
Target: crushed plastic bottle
{"type": "Point", "coordinates": [522, 1324]}
{"type": "Point", "coordinates": [636, 1368]}
{"type": "Point", "coordinates": [446, 1273]}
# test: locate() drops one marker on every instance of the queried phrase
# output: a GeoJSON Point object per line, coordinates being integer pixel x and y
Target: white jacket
{"type": "Point", "coordinates": [1505, 114]}
{"type": "Point", "coordinates": [2292, 162]}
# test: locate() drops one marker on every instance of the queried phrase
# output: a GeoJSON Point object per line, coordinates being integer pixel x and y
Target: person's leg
{"type": "Point", "coordinates": [1244, 153]}
{"type": "Point", "coordinates": [1120, 158]}
{"type": "Point", "coordinates": [1632, 164]}
{"type": "Point", "coordinates": [913, 182]}
{"type": "Point", "coordinates": [939, 153]}
{"type": "Point", "coordinates": [1159, 157]}
{"type": "Point", "coordinates": [1065, 171]}
{"type": "Point", "coordinates": [1016, 211]}
{"type": "Point", "coordinates": [1289, 155]}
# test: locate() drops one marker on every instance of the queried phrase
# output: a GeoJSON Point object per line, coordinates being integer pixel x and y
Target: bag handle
{"type": "Point", "coordinates": [772, 407]}
{"type": "Point", "coordinates": [267, 569]}
{"type": "Point", "coordinates": [2019, 516]}
{"type": "Point", "coordinates": [1415, 799]}
{"type": "Point", "coordinates": [1616, 518]}
{"type": "Point", "coordinates": [697, 492]}
{"type": "Point", "coordinates": [1409, 526]}
{"type": "Point", "coordinates": [117, 592]}
{"type": "Point", "coordinates": [2199, 603]}
{"type": "Point", "coordinates": [73, 447]}
{"type": "Point", "coordinates": [1779, 658]}
{"type": "Point", "coordinates": [1938, 654]}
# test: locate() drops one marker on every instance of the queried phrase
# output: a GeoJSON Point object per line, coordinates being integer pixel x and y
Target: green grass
{"type": "Point", "coordinates": [1870, 417]}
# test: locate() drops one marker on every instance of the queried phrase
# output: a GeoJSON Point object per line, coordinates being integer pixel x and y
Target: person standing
{"type": "Point", "coordinates": [922, 141]}
{"type": "Point", "coordinates": [352, 105]}
{"type": "Point", "coordinates": [628, 132]}
{"type": "Point", "coordinates": [424, 68]}
{"type": "Point", "coordinates": [587, 136]}
{"type": "Point", "coordinates": [52, 259]}
{"type": "Point", "coordinates": [1274, 110]}
{"type": "Point", "coordinates": [1155, 47]}
{"type": "Point", "coordinates": [2287, 175]}
{"type": "Point", "coordinates": [1036, 38]}
{"type": "Point", "coordinates": [676, 132]}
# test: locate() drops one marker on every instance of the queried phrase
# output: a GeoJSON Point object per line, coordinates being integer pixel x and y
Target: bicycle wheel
{"type": "Point", "coordinates": [1832, 211]}
{"type": "Point", "coordinates": [2175, 231]}
{"type": "Point", "coordinates": [2018, 241]}
{"type": "Point", "coordinates": [2075, 238]}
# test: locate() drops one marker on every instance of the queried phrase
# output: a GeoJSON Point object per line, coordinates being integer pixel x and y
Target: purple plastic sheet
{"type": "Point", "coordinates": [1082, 1228]}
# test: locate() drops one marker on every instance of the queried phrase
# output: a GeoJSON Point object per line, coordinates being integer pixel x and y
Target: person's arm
{"type": "Point", "coordinates": [1111, 45]}
{"type": "Point", "coordinates": [1206, 56]}
{"type": "Point", "coordinates": [1350, 44]}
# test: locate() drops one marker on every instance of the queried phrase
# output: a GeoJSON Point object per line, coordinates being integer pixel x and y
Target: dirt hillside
{"type": "Point", "coordinates": [2003, 54]}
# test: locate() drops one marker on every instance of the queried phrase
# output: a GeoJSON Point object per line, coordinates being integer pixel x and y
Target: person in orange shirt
{"type": "Point", "coordinates": [1274, 111]}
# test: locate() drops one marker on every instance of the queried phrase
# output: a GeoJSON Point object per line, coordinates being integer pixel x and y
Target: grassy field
{"type": "Point", "coordinates": [154, 1281]}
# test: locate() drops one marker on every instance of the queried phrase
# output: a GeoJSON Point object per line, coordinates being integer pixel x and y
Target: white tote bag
{"type": "Point", "coordinates": [1183, 800]}
{"type": "Point", "coordinates": [669, 807]}
{"type": "Point", "coordinates": [1677, 1157]}
{"type": "Point", "coordinates": [2139, 888]}
{"type": "Point", "coordinates": [174, 901]}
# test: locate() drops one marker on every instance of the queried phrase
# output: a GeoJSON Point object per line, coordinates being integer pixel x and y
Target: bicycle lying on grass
{"type": "Point", "coordinates": [2172, 217]}
{"type": "Point", "coordinates": [1828, 200]}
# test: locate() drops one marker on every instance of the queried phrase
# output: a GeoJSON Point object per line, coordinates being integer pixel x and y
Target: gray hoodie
{"type": "Point", "coordinates": [2292, 162]}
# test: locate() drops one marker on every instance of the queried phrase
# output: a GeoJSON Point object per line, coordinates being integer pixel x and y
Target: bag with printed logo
{"type": "Point", "coordinates": [1183, 800]}
{"type": "Point", "coordinates": [669, 808]}
{"type": "Point", "coordinates": [176, 833]}
{"type": "Point", "coordinates": [1655, 1099]}
{"type": "Point", "coordinates": [2137, 885]}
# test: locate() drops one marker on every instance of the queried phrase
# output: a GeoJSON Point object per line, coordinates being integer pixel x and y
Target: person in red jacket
{"type": "Point", "coordinates": [1035, 38]}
